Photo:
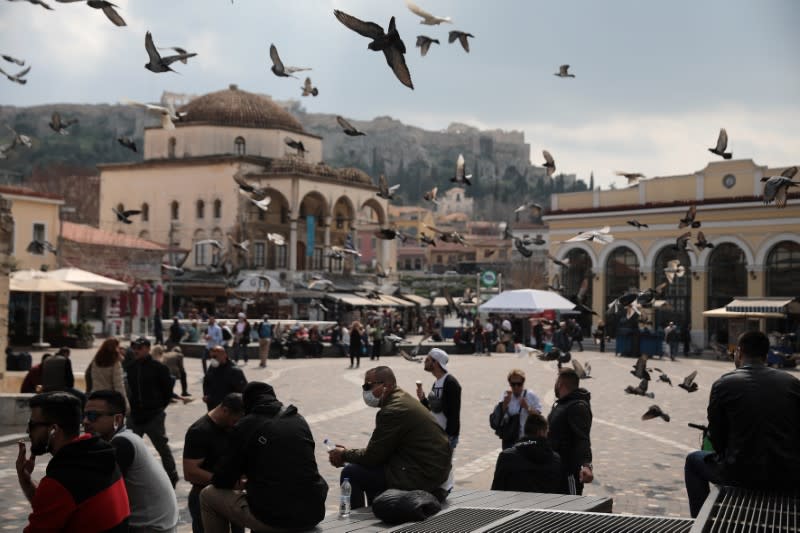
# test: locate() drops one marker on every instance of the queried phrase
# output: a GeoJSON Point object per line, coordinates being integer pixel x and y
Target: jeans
{"type": "Point", "coordinates": [154, 428]}
{"type": "Point", "coordinates": [698, 474]}
{"type": "Point", "coordinates": [240, 350]}
{"type": "Point", "coordinates": [223, 507]}
{"type": "Point", "coordinates": [194, 511]}
{"type": "Point", "coordinates": [363, 479]}
{"type": "Point", "coordinates": [263, 350]}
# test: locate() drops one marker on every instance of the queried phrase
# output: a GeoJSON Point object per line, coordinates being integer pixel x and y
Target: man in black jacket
{"type": "Point", "coordinates": [150, 387]}
{"type": "Point", "coordinates": [222, 378]}
{"type": "Point", "coordinates": [753, 424]}
{"type": "Point", "coordinates": [570, 423]}
{"type": "Point", "coordinates": [530, 465]}
{"type": "Point", "coordinates": [272, 447]}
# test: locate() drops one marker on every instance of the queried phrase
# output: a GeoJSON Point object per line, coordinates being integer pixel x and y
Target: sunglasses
{"type": "Point", "coordinates": [32, 424]}
{"type": "Point", "coordinates": [368, 386]}
{"type": "Point", "coordinates": [516, 383]}
{"type": "Point", "coordinates": [92, 416]}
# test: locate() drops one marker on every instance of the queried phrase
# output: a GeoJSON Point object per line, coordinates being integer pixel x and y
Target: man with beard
{"type": "Point", "coordinates": [570, 423]}
{"type": "Point", "coordinates": [83, 490]}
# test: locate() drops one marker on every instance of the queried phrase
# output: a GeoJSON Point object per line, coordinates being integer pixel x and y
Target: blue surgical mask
{"type": "Point", "coordinates": [370, 399]}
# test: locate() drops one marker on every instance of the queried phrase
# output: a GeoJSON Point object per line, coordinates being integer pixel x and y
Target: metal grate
{"type": "Point", "coordinates": [457, 521]}
{"type": "Point", "coordinates": [579, 522]}
{"type": "Point", "coordinates": [737, 510]}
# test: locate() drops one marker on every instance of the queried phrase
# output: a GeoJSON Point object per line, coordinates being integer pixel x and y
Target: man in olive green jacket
{"type": "Point", "coordinates": [408, 450]}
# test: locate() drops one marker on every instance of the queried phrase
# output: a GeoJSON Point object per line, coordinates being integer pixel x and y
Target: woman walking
{"type": "Point", "coordinates": [356, 343]}
{"type": "Point", "coordinates": [105, 370]}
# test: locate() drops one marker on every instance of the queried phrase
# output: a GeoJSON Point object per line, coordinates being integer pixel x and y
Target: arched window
{"type": "Point", "coordinates": [577, 281]}
{"type": "Point", "coordinates": [174, 210]}
{"type": "Point", "coordinates": [171, 147]}
{"type": "Point", "coordinates": [781, 269]}
{"type": "Point", "coordinates": [239, 146]}
{"type": "Point", "coordinates": [622, 273]}
{"type": "Point", "coordinates": [727, 279]}
{"type": "Point", "coordinates": [217, 208]}
{"type": "Point", "coordinates": [201, 209]}
{"type": "Point", "coordinates": [145, 212]}
{"type": "Point", "coordinates": [678, 293]}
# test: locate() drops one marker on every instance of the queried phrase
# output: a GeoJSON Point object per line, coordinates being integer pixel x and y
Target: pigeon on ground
{"type": "Point", "coordinates": [776, 188]}
{"type": "Point", "coordinates": [278, 68]}
{"type": "Point", "coordinates": [297, 145]}
{"type": "Point", "coordinates": [536, 209]}
{"type": "Point", "coordinates": [37, 3]}
{"type": "Point", "coordinates": [688, 382]}
{"type": "Point", "coordinates": [653, 412]}
{"type": "Point", "coordinates": [702, 243]}
{"type": "Point", "coordinates": [638, 225]}
{"type": "Point", "coordinates": [722, 145]}
{"type": "Point", "coordinates": [549, 163]}
{"type": "Point", "coordinates": [427, 18]}
{"type": "Point", "coordinates": [128, 143]}
{"type": "Point", "coordinates": [348, 128]}
{"type": "Point", "coordinates": [39, 247]}
{"type": "Point", "coordinates": [424, 44]}
{"type": "Point", "coordinates": [632, 177]}
{"type": "Point", "coordinates": [19, 77]}
{"type": "Point", "coordinates": [462, 38]}
{"type": "Point", "coordinates": [674, 269]}
{"type": "Point", "coordinates": [431, 195]}
{"type": "Point", "coordinates": [276, 238]}
{"type": "Point", "coordinates": [59, 126]}
{"type": "Point", "coordinates": [309, 89]}
{"type": "Point", "coordinates": [689, 218]}
{"type": "Point", "coordinates": [168, 114]}
{"type": "Point", "coordinates": [124, 216]}
{"type": "Point", "coordinates": [107, 7]}
{"type": "Point", "coordinates": [388, 42]}
{"type": "Point", "coordinates": [384, 191]}
{"type": "Point", "coordinates": [10, 59]}
{"type": "Point", "coordinates": [157, 63]}
{"type": "Point", "coordinates": [563, 72]}
{"type": "Point", "coordinates": [461, 173]}
{"type": "Point", "coordinates": [601, 236]}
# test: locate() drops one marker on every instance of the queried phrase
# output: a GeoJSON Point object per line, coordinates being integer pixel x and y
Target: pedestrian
{"type": "Point", "coordinates": [273, 449]}
{"type": "Point", "coordinates": [570, 425]}
{"type": "Point", "coordinates": [105, 370]}
{"type": "Point", "coordinates": [530, 465]}
{"type": "Point", "coordinates": [357, 347]}
{"type": "Point", "coordinates": [192, 333]}
{"type": "Point", "coordinates": [176, 333]}
{"type": "Point", "coordinates": [576, 335]}
{"type": "Point", "coordinates": [264, 341]}
{"type": "Point", "coordinates": [561, 338]}
{"type": "Point", "coordinates": [686, 338]}
{"type": "Point", "coordinates": [510, 413]}
{"type": "Point", "coordinates": [752, 423]}
{"type": "Point", "coordinates": [173, 360]}
{"type": "Point", "coordinates": [444, 401]}
{"type": "Point", "coordinates": [205, 444]}
{"type": "Point", "coordinates": [601, 334]}
{"type": "Point", "coordinates": [222, 378]}
{"type": "Point", "coordinates": [33, 379]}
{"type": "Point", "coordinates": [151, 497]}
{"type": "Point", "coordinates": [57, 374]}
{"type": "Point", "coordinates": [83, 490]}
{"type": "Point", "coordinates": [158, 330]}
{"type": "Point", "coordinates": [213, 337]}
{"type": "Point", "coordinates": [150, 393]}
{"type": "Point", "coordinates": [227, 334]}
{"type": "Point", "coordinates": [672, 338]}
{"type": "Point", "coordinates": [538, 334]}
{"type": "Point", "coordinates": [241, 338]}
{"type": "Point", "coordinates": [407, 450]}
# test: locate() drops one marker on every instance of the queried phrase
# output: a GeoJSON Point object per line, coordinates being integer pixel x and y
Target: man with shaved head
{"type": "Point", "coordinates": [408, 450]}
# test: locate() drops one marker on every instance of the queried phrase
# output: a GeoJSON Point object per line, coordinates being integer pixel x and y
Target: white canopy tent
{"type": "Point", "coordinates": [525, 302]}
{"type": "Point", "coordinates": [87, 279]}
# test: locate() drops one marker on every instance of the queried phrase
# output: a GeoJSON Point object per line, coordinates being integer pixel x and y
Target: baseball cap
{"type": "Point", "coordinates": [440, 356]}
{"type": "Point", "coordinates": [242, 315]}
{"type": "Point", "coordinates": [141, 341]}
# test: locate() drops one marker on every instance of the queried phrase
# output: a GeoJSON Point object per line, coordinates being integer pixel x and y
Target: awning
{"type": "Point", "coordinates": [87, 279]}
{"type": "Point", "coordinates": [382, 300]}
{"type": "Point", "coordinates": [397, 302]}
{"type": "Point", "coordinates": [351, 299]}
{"type": "Point", "coordinates": [721, 312]}
{"type": "Point", "coordinates": [526, 301]}
{"type": "Point", "coordinates": [419, 300]}
{"type": "Point", "coordinates": [780, 305]}
{"type": "Point", "coordinates": [439, 301]}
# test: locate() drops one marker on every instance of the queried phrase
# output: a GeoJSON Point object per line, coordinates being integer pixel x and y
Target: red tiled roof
{"type": "Point", "coordinates": [84, 234]}
{"type": "Point", "coordinates": [24, 191]}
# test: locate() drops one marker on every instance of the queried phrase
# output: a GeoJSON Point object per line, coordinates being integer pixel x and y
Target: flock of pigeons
{"type": "Point", "coordinates": [642, 372]}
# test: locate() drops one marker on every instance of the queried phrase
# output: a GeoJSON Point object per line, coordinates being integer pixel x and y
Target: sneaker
{"type": "Point", "coordinates": [185, 394]}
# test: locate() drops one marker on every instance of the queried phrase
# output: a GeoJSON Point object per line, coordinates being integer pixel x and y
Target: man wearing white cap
{"type": "Point", "coordinates": [444, 400]}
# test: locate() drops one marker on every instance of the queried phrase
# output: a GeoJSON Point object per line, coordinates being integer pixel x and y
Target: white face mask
{"type": "Point", "coordinates": [370, 399]}
{"type": "Point", "coordinates": [214, 363]}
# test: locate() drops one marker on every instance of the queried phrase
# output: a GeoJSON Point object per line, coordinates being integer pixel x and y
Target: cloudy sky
{"type": "Point", "coordinates": [655, 80]}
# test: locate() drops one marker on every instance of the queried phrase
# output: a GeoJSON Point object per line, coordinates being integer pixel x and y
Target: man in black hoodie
{"type": "Point", "coordinates": [272, 447]}
{"type": "Point", "coordinates": [530, 465]}
{"type": "Point", "coordinates": [570, 423]}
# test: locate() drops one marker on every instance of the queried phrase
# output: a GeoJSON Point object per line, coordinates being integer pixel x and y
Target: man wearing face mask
{"type": "Point", "coordinates": [83, 490]}
{"type": "Point", "coordinates": [570, 423]}
{"type": "Point", "coordinates": [408, 450]}
{"type": "Point", "coordinates": [154, 508]}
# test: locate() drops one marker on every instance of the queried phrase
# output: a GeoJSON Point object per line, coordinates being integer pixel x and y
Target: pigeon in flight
{"type": "Point", "coordinates": [256, 193]}
{"type": "Point", "coordinates": [431, 195]}
{"type": "Point", "coordinates": [536, 209]}
{"type": "Point", "coordinates": [682, 242]}
{"type": "Point", "coordinates": [640, 368]}
{"type": "Point", "coordinates": [640, 389]}
{"type": "Point", "coordinates": [722, 145]}
{"type": "Point", "coordinates": [10, 59]}
{"type": "Point", "coordinates": [583, 372]}
{"type": "Point", "coordinates": [425, 240]}
{"type": "Point", "coordinates": [341, 251]}
{"type": "Point", "coordinates": [241, 247]}
{"type": "Point", "coordinates": [276, 238]}
{"type": "Point", "coordinates": [172, 268]}
{"type": "Point", "coordinates": [297, 145]}
{"type": "Point", "coordinates": [638, 225]}
{"type": "Point", "coordinates": [107, 7]}
{"type": "Point", "coordinates": [59, 126]}
{"type": "Point", "coordinates": [549, 163]}
{"type": "Point", "coordinates": [309, 89]}
{"type": "Point", "coordinates": [461, 175]}
{"type": "Point", "coordinates": [168, 114]}
{"type": "Point", "coordinates": [665, 378]}
{"type": "Point", "coordinates": [128, 143]}
{"type": "Point", "coordinates": [560, 262]}
{"type": "Point", "coordinates": [632, 177]}
{"type": "Point", "coordinates": [278, 68]}
{"type": "Point", "coordinates": [37, 3]}
{"type": "Point", "coordinates": [384, 191]}
{"type": "Point", "coordinates": [424, 44]}
{"type": "Point", "coordinates": [180, 50]}
{"type": "Point", "coordinates": [124, 216]}
{"type": "Point", "coordinates": [776, 188]}
{"type": "Point", "coordinates": [157, 63]}
{"type": "Point", "coordinates": [427, 18]}
{"type": "Point", "coordinates": [688, 383]}
{"type": "Point", "coordinates": [648, 296]}
{"type": "Point", "coordinates": [563, 72]}
{"type": "Point", "coordinates": [19, 138]}
{"type": "Point", "coordinates": [519, 244]}
{"type": "Point", "coordinates": [262, 204]}
{"type": "Point", "coordinates": [387, 234]}
{"type": "Point", "coordinates": [19, 77]}
{"type": "Point", "coordinates": [321, 285]}
{"type": "Point", "coordinates": [702, 243]}
{"type": "Point", "coordinates": [654, 412]}
{"type": "Point", "coordinates": [601, 236]}
{"type": "Point", "coordinates": [536, 240]}
{"type": "Point", "coordinates": [39, 247]}
{"type": "Point", "coordinates": [674, 269]}
{"type": "Point", "coordinates": [212, 242]}
{"type": "Point", "coordinates": [348, 128]}
{"type": "Point", "coordinates": [453, 237]}
{"type": "Point", "coordinates": [462, 38]}
{"type": "Point", "coordinates": [388, 42]}
{"type": "Point", "coordinates": [689, 218]}
{"type": "Point", "coordinates": [555, 285]}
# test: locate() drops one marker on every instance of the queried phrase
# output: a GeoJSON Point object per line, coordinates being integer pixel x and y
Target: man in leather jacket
{"type": "Point", "coordinates": [570, 423]}
{"type": "Point", "coordinates": [753, 424]}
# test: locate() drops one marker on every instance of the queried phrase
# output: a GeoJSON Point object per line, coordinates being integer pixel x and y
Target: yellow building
{"type": "Point", "coordinates": [756, 248]}
{"type": "Point", "coordinates": [35, 218]}
{"type": "Point", "coordinates": [186, 191]}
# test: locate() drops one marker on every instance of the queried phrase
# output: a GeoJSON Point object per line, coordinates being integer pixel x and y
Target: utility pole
{"type": "Point", "coordinates": [171, 263]}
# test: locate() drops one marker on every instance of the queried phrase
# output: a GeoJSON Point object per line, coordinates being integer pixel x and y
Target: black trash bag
{"type": "Point", "coordinates": [395, 506]}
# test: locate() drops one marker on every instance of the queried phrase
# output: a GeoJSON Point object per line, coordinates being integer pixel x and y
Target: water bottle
{"type": "Point", "coordinates": [344, 499]}
{"type": "Point", "coordinates": [329, 445]}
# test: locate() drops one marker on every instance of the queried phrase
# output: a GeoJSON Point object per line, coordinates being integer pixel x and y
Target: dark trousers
{"type": "Point", "coordinates": [240, 350]}
{"type": "Point", "coordinates": [376, 350]}
{"type": "Point", "coordinates": [355, 357]}
{"type": "Point", "coordinates": [698, 474]}
{"type": "Point", "coordinates": [154, 428]}
{"type": "Point", "coordinates": [184, 385]}
{"type": "Point", "coordinates": [197, 518]}
{"type": "Point", "coordinates": [364, 480]}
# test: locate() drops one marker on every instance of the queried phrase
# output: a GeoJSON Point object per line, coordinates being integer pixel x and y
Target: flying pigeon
{"type": "Point", "coordinates": [776, 188]}
{"type": "Point", "coordinates": [560, 262]}
{"type": "Point", "coordinates": [449, 236]}
{"type": "Point", "coordinates": [722, 145]}
{"type": "Point", "coordinates": [689, 218]}
{"type": "Point", "coordinates": [262, 204]}
{"type": "Point", "coordinates": [388, 42]}
{"type": "Point", "coordinates": [309, 89]}
{"type": "Point", "coordinates": [297, 145]}
{"type": "Point", "coordinates": [425, 240]}
{"type": "Point", "coordinates": [180, 50]}
{"type": "Point", "coordinates": [37, 3]}
{"type": "Point", "coordinates": [601, 236]}
{"type": "Point", "coordinates": [59, 126]}
{"type": "Point", "coordinates": [128, 143]}
{"type": "Point", "coordinates": [255, 193]}
{"type": "Point", "coordinates": [648, 296]}
{"type": "Point", "coordinates": [682, 242]}
{"type": "Point", "coordinates": [348, 128]}
{"type": "Point", "coordinates": [172, 268]}
{"type": "Point", "coordinates": [632, 177]}
{"type": "Point", "coordinates": [321, 285]}
{"type": "Point", "coordinates": [19, 77]}
{"type": "Point", "coordinates": [427, 18]}
{"type": "Point", "coordinates": [583, 373]}
{"type": "Point", "coordinates": [241, 247]}
{"type": "Point", "coordinates": [461, 175]}
{"type": "Point", "coordinates": [638, 225]}
{"type": "Point", "coordinates": [278, 68]}
{"type": "Point", "coordinates": [653, 412]}
{"type": "Point", "coordinates": [107, 7]}
{"type": "Point", "coordinates": [19, 138]}
{"type": "Point", "coordinates": [640, 368]}
{"type": "Point", "coordinates": [549, 163]}
{"type": "Point", "coordinates": [212, 242]}
{"type": "Point", "coordinates": [688, 382]}
{"type": "Point", "coordinates": [20, 62]}
{"type": "Point", "coordinates": [39, 247]}
{"type": "Point", "coordinates": [157, 63]}
{"type": "Point", "coordinates": [379, 271]}
{"type": "Point", "coordinates": [674, 269]}
{"type": "Point", "coordinates": [341, 251]}
{"type": "Point", "coordinates": [640, 389]}
{"type": "Point", "coordinates": [431, 195]}
{"type": "Point", "coordinates": [424, 44]}
{"type": "Point", "coordinates": [702, 243]}
{"type": "Point", "coordinates": [384, 191]}
{"type": "Point", "coordinates": [276, 238]}
{"type": "Point", "coordinates": [123, 216]}
{"type": "Point", "coordinates": [521, 248]}
{"type": "Point", "coordinates": [665, 378]}
{"type": "Point", "coordinates": [462, 38]}
{"type": "Point", "coordinates": [563, 72]}
{"type": "Point", "coordinates": [168, 114]}
{"type": "Point", "coordinates": [388, 234]}
{"type": "Point", "coordinates": [535, 208]}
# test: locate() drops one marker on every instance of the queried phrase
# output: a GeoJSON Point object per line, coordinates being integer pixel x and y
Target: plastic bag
{"type": "Point", "coordinates": [395, 506]}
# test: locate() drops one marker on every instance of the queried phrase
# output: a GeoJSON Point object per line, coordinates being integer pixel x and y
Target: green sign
{"type": "Point", "coordinates": [488, 278]}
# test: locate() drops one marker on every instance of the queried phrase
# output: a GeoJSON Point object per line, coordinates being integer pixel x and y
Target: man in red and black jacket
{"type": "Point", "coordinates": [83, 490]}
